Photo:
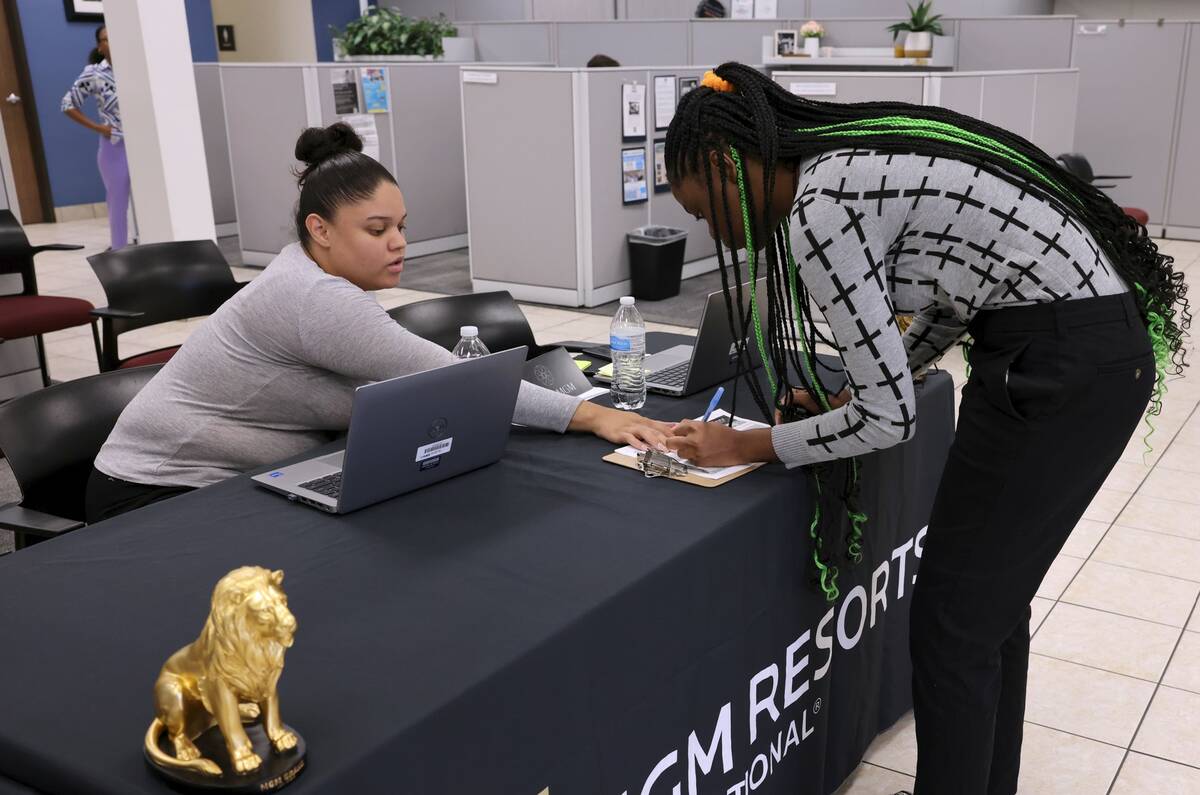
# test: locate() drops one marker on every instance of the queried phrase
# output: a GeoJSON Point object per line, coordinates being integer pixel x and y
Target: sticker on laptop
{"type": "Point", "coordinates": [440, 447]}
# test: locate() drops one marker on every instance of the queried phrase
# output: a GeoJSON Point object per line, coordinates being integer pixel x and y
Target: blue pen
{"type": "Point", "coordinates": [712, 404]}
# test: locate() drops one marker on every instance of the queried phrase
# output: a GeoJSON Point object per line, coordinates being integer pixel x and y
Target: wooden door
{"type": "Point", "coordinates": [19, 117]}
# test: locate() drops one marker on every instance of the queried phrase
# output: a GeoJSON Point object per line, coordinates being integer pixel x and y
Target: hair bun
{"type": "Point", "coordinates": [317, 144]}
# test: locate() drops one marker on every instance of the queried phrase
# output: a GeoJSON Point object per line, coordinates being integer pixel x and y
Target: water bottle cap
{"type": "Point", "coordinates": [469, 331]}
{"type": "Point", "coordinates": [627, 300]}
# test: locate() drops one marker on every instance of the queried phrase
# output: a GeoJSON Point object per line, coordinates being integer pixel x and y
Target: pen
{"type": "Point", "coordinates": [712, 404]}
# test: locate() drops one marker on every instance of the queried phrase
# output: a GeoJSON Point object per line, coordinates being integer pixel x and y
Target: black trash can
{"type": "Point", "coordinates": [656, 261]}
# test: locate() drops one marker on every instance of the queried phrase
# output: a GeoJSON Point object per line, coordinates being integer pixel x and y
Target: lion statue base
{"type": "Point", "coordinates": [216, 722]}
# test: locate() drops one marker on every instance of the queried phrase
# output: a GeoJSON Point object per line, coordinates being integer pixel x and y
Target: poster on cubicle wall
{"type": "Point", "coordinates": [345, 92]}
{"type": "Point", "coordinates": [633, 111]}
{"type": "Point", "coordinates": [661, 184]}
{"type": "Point", "coordinates": [375, 89]}
{"type": "Point", "coordinates": [633, 176]}
{"type": "Point", "coordinates": [665, 100]}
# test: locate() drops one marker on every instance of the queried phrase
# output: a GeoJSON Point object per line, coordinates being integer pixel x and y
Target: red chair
{"type": "Point", "coordinates": [27, 314]}
{"type": "Point", "coordinates": [157, 283]}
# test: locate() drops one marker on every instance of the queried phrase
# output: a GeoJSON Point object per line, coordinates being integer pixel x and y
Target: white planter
{"type": "Point", "coordinates": [918, 45]}
{"type": "Point", "coordinates": [812, 46]}
{"type": "Point", "coordinates": [455, 48]}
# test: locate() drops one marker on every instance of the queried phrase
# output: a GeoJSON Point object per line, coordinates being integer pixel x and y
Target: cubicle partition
{"type": "Point", "coordinates": [265, 107]}
{"type": "Point", "coordinates": [544, 179]}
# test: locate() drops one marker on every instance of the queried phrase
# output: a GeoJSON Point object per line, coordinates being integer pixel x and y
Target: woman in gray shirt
{"type": "Point", "coordinates": [273, 371]}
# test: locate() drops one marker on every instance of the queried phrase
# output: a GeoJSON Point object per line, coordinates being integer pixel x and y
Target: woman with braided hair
{"type": "Point", "coordinates": [870, 210]}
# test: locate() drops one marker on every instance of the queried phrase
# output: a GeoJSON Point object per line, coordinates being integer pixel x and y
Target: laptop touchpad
{"type": "Point", "coordinates": [668, 358]}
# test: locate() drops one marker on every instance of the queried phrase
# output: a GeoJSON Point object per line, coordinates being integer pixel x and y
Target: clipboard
{"type": "Point", "coordinates": [695, 480]}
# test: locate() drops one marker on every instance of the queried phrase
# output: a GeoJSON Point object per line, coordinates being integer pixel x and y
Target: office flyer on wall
{"type": "Point", "coordinates": [633, 176]}
{"type": "Point", "coordinates": [742, 9]}
{"type": "Point", "coordinates": [664, 101]}
{"type": "Point", "coordinates": [660, 167]}
{"type": "Point", "coordinates": [345, 92]}
{"type": "Point", "coordinates": [374, 87]}
{"type": "Point", "coordinates": [364, 125]}
{"type": "Point", "coordinates": [686, 84]}
{"type": "Point", "coordinates": [633, 111]}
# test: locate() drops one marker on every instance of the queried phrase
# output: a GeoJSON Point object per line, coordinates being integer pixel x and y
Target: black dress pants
{"type": "Point", "coordinates": [108, 496]}
{"type": "Point", "coordinates": [1055, 393]}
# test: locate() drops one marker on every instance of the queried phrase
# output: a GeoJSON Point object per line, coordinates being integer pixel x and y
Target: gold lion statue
{"type": "Point", "coordinates": [227, 675]}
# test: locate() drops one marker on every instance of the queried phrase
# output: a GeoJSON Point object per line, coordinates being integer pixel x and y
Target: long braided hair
{"type": "Point", "coordinates": [741, 113]}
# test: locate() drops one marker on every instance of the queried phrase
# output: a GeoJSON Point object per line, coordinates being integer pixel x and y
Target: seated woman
{"type": "Point", "coordinates": [273, 371]}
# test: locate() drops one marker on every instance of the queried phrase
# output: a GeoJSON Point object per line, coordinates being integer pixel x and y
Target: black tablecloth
{"type": "Point", "coordinates": [548, 621]}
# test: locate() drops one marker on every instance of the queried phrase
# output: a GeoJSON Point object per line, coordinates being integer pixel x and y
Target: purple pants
{"type": "Point", "coordinates": [114, 170]}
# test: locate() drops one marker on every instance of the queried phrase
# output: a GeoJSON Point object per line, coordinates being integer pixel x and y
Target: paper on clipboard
{"type": "Point", "coordinates": [710, 473]}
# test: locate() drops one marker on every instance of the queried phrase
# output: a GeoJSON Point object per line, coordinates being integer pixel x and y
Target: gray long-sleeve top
{"type": "Point", "coordinates": [271, 374]}
{"type": "Point", "coordinates": [875, 234]}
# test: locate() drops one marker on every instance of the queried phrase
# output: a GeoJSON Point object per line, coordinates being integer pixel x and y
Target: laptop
{"type": "Point", "coordinates": [686, 369]}
{"type": "Point", "coordinates": [410, 432]}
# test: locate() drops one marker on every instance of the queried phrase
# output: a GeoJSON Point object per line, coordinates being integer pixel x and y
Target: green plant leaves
{"type": "Point", "coordinates": [383, 31]}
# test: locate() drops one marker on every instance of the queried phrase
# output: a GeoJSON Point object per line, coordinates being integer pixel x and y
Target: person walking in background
{"type": "Point", "coordinates": [97, 80]}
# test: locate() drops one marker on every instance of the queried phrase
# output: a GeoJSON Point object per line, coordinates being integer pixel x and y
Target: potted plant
{"type": "Point", "coordinates": [921, 28]}
{"type": "Point", "coordinates": [384, 34]}
{"type": "Point", "coordinates": [811, 31]}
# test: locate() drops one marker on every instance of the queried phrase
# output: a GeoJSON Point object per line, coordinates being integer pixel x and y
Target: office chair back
{"type": "Point", "coordinates": [51, 437]}
{"type": "Point", "coordinates": [16, 255]}
{"type": "Point", "coordinates": [501, 323]}
{"type": "Point", "coordinates": [1078, 165]}
{"type": "Point", "coordinates": [164, 281]}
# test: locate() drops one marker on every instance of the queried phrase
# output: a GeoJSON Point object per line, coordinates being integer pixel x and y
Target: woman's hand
{"type": "Point", "coordinates": [621, 427]}
{"type": "Point", "coordinates": [105, 130]}
{"type": "Point", "coordinates": [715, 444]}
{"type": "Point", "coordinates": [804, 399]}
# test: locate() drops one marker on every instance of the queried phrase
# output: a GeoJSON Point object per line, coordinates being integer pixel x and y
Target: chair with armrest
{"type": "Point", "coordinates": [28, 314]}
{"type": "Point", "coordinates": [1078, 165]}
{"type": "Point", "coordinates": [51, 438]}
{"type": "Point", "coordinates": [157, 283]}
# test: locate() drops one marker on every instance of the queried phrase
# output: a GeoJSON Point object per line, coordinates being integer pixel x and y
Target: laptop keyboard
{"type": "Point", "coordinates": [329, 485]}
{"type": "Point", "coordinates": [674, 376]}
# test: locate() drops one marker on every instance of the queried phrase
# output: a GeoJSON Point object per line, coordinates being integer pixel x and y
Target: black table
{"type": "Point", "coordinates": [549, 621]}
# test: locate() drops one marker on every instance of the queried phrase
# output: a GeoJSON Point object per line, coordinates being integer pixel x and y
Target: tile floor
{"type": "Point", "coordinates": [1114, 682]}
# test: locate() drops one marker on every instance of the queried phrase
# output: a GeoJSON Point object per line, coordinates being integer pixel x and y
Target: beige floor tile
{"type": "Point", "coordinates": [670, 329]}
{"type": "Point", "coordinates": [1190, 432]}
{"type": "Point", "coordinates": [66, 368]}
{"type": "Point", "coordinates": [1039, 608]}
{"type": "Point", "coordinates": [1126, 476]}
{"type": "Point", "coordinates": [1149, 551]}
{"type": "Point", "coordinates": [1057, 763]}
{"type": "Point", "coordinates": [1145, 775]}
{"type": "Point", "coordinates": [1084, 538]}
{"type": "Point", "coordinates": [1118, 589]}
{"type": "Point", "coordinates": [80, 347]}
{"type": "Point", "coordinates": [1171, 730]}
{"type": "Point", "coordinates": [872, 780]}
{"type": "Point", "coordinates": [1193, 625]}
{"type": "Point", "coordinates": [543, 317]}
{"type": "Point", "coordinates": [1163, 516]}
{"type": "Point", "coordinates": [1184, 671]}
{"type": "Point", "coordinates": [69, 333]}
{"type": "Point", "coordinates": [1106, 505]}
{"type": "Point", "coordinates": [1091, 637]}
{"type": "Point", "coordinates": [592, 328]}
{"type": "Point", "coordinates": [1183, 457]}
{"type": "Point", "coordinates": [1095, 704]}
{"type": "Point", "coordinates": [1136, 452]}
{"type": "Point", "coordinates": [1171, 484]}
{"type": "Point", "coordinates": [896, 748]}
{"type": "Point", "coordinates": [1059, 575]}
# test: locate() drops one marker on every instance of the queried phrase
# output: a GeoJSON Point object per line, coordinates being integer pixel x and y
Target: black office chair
{"type": "Point", "coordinates": [501, 323]}
{"type": "Point", "coordinates": [28, 314]}
{"type": "Point", "coordinates": [157, 283]}
{"type": "Point", "coordinates": [1078, 165]}
{"type": "Point", "coordinates": [51, 438]}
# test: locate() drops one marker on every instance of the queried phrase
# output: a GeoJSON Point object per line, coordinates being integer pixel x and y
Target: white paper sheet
{"type": "Point", "coordinates": [664, 101]}
{"type": "Point", "coordinates": [633, 110]}
{"type": "Point", "coordinates": [364, 125]}
{"type": "Point", "coordinates": [710, 473]}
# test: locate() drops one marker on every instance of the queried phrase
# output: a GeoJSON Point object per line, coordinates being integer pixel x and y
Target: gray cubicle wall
{"type": "Point", "coordinates": [216, 146]}
{"type": "Point", "coordinates": [503, 42]}
{"type": "Point", "coordinates": [634, 44]}
{"type": "Point", "coordinates": [1183, 204]}
{"type": "Point", "coordinates": [519, 146]}
{"type": "Point", "coordinates": [995, 43]}
{"type": "Point", "coordinates": [1129, 93]}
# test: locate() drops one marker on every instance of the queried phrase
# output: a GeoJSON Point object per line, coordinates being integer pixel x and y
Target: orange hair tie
{"type": "Point", "coordinates": [715, 82]}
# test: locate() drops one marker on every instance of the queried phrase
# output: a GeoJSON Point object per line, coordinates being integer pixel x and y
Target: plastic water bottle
{"type": "Point", "coordinates": [627, 343]}
{"type": "Point", "coordinates": [470, 346]}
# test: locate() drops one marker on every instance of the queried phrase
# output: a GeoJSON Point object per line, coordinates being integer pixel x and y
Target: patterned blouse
{"type": "Point", "coordinates": [875, 234]}
{"type": "Point", "coordinates": [97, 80]}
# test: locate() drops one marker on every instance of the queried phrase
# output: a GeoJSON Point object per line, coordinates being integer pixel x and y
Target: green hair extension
{"type": "Point", "coordinates": [828, 574]}
{"type": "Point", "coordinates": [752, 260]}
{"type": "Point", "coordinates": [1155, 326]}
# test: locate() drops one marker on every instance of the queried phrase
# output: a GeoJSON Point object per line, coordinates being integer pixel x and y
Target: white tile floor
{"type": "Point", "coordinates": [1114, 684]}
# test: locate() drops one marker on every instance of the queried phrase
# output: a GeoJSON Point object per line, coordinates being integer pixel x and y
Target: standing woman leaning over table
{"type": "Point", "coordinates": [97, 81]}
{"type": "Point", "coordinates": [873, 209]}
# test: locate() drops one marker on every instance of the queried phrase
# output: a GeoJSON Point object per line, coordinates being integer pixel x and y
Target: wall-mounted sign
{"type": "Point", "coordinates": [487, 78]}
{"type": "Point", "coordinates": [225, 39]}
{"type": "Point", "coordinates": [633, 176]}
{"type": "Point", "coordinates": [813, 89]}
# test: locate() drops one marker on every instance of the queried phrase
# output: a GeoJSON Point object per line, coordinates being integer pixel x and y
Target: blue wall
{"type": "Point", "coordinates": [331, 12]}
{"type": "Point", "coordinates": [57, 52]}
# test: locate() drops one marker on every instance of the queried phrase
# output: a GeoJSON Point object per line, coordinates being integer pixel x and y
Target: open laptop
{"type": "Point", "coordinates": [686, 369]}
{"type": "Point", "coordinates": [410, 432]}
